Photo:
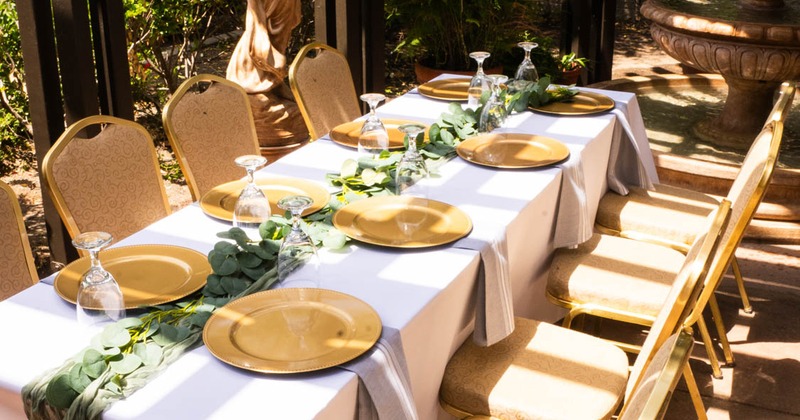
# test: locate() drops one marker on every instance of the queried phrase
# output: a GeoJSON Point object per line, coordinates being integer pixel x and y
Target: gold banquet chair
{"type": "Point", "coordinates": [672, 216]}
{"type": "Point", "coordinates": [546, 371]}
{"type": "Point", "coordinates": [323, 87]}
{"type": "Point", "coordinates": [103, 175]}
{"type": "Point", "coordinates": [625, 279]}
{"type": "Point", "coordinates": [17, 268]}
{"type": "Point", "coordinates": [208, 130]}
{"type": "Point", "coordinates": [651, 398]}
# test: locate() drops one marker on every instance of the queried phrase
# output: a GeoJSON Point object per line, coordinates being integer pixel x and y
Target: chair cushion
{"type": "Point", "coordinates": [539, 371]}
{"type": "Point", "coordinates": [671, 213]}
{"type": "Point", "coordinates": [616, 273]}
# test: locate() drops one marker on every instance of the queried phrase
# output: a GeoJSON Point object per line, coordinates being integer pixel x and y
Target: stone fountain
{"type": "Point", "coordinates": [753, 44]}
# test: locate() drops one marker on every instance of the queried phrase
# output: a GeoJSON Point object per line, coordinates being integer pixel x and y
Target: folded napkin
{"type": "Point", "coordinates": [384, 391]}
{"type": "Point", "coordinates": [630, 161]}
{"type": "Point", "coordinates": [573, 222]}
{"type": "Point", "coordinates": [494, 308]}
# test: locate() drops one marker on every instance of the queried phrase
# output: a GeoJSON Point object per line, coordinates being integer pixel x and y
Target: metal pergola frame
{"type": "Point", "coordinates": [87, 37]}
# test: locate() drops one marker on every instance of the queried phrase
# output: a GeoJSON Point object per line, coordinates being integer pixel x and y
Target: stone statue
{"type": "Point", "coordinates": [259, 65]}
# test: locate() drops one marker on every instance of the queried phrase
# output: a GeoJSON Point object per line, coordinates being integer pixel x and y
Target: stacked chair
{"type": "Point", "coordinates": [323, 87]}
{"type": "Point", "coordinates": [103, 175]}
{"type": "Point", "coordinates": [546, 371]}
{"type": "Point", "coordinates": [626, 279]}
{"type": "Point", "coordinates": [672, 216]}
{"type": "Point", "coordinates": [17, 269]}
{"type": "Point", "coordinates": [208, 129]}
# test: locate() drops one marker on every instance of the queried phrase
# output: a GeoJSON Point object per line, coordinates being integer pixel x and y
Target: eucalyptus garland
{"type": "Point", "coordinates": [129, 353]}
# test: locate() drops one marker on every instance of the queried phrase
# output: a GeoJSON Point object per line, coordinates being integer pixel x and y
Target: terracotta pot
{"type": "Point", "coordinates": [425, 73]}
{"type": "Point", "coordinates": [569, 77]}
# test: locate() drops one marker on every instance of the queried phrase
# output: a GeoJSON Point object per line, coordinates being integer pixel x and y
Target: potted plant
{"type": "Point", "coordinates": [571, 67]}
{"type": "Point", "coordinates": [440, 34]}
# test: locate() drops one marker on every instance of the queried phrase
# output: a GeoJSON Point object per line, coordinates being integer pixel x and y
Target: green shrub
{"type": "Point", "coordinates": [16, 133]}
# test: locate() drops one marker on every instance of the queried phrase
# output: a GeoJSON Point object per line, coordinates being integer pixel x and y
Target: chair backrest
{"type": "Point", "coordinates": [103, 175]}
{"type": "Point", "coordinates": [323, 87]}
{"type": "Point", "coordinates": [684, 292]}
{"type": "Point", "coordinates": [745, 195]}
{"type": "Point", "coordinates": [208, 130]}
{"type": "Point", "coordinates": [651, 398]}
{"type": "Point", "coordinates": [781, 108]}
{"type": "Point", "coordinates": [17, 270]}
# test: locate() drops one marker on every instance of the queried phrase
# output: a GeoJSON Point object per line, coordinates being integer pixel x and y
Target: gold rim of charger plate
{"type": "Point", "coordinates": [446, 89]}
{"type": "Point", "coordinates": [252, 332]}
{"type": "Point", "coordinates": [382, 215]}
{"type": "Point", "coordinates": [584, 103]}
{"type": "Point", "coordinates": [219, 201]}
{"type": "Point", "coordinates": [347, 134]}
{"type": "Point", "coordinates": [530, 150]}
{"type": "Point", "coordinates": [140, 271]}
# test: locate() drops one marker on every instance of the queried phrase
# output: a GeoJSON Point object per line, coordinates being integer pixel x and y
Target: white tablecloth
{"type": "Point", "coordinates": [428, 295]}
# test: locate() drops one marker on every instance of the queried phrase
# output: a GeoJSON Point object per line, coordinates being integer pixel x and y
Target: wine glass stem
{"type": "Point", "coordinates": [296, 222]}
{"type": "Point", "coordinates": [95, 262]}
{"type": "Point", "coordinates": [527, 55]}
{"type": "Point", "coordinates": [250, 176]}
{"type": "Point", "coordinates": [480, 66]}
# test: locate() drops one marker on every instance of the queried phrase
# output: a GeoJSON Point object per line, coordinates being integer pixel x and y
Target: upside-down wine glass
{"type": "Point", "coordinates": [298, 261]}
{"type": "Point", "coordinates": [479, 83]}
{"type": "Point", "coordinates": [252, 206]}
{"type": "Point", "coordinates": [494, 110]}
{"type": "Point", "coordinates": [373, 138]}
{"type": "Point", "coordinates": [99, 299]}
{"type": "Point", "coordinates": [411, 167]}
{"type": "Point", "coordinates": [526, 72]}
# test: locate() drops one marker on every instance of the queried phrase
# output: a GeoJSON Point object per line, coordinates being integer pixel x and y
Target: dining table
{"type": "Point", "coordinates": [426, 294]}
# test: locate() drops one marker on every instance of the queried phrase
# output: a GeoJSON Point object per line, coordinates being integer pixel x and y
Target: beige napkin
{"type": "Point", "coordinates": [383, 385]}
{"type": "Point", "coordinates": [626, 160]}
{"type": "Point", "coordinates": [573, 222]}
{"type": "Point", "coordinates": [629, 164]}
{"type": "Point", "coordinates": [494, 307]}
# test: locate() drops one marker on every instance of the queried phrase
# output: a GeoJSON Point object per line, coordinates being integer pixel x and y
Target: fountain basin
{"type": "Point", "coordinates": [754, 51]}
{"type": "Point", "coordinates": [671, 105]}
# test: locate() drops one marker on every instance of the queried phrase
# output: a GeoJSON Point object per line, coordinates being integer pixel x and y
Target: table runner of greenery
{"type": "Point", "coordinates": [129, 353]}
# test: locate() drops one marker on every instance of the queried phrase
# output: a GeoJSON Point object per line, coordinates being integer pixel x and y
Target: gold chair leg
{"type": "Point", "coordinates": [567, 323]}
{"type": "Point", "coordinates": [737, 274]}
{"type": "Point", "coordinates": [694, 392]}
{"type": "Point", "coordinates": [723, 336]}
{"type": "Point", "coordinates": [712, 355]}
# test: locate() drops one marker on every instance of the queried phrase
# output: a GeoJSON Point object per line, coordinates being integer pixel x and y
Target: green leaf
{"type": "Point", "coordinates": [335, 240]}
{"type": "Point", "coordinates": [93, 363]}
{"type": "Point", "coordinates": [213, 286]}
{"type": "Point", "coordinates": [233, 285]}
{"type": "Point", "coordinates": [59, 392]}
{"type": "Point", "coordinates": [149, 353]}
{"type": "Point", "coordinates": [248, 260]}
{"type": "Point", "coordinates": [349, 168]}
{"type": "Point", "coordinates": [199, 318]}
{"type": "Point", "coordinates": [127, 364]}
{"type": "Point", "coordinates": [129, 322]}
{"type": "Point", "coordinates": [254, 273]}
{"type": "Point", "coordinates": [78, 380]}
{"type": "Point", "coordinates": [226, 248]}
{"type": "Point", "coordinates": [115, 335]}
{"type": "Point", "coordinates": [228, 266]}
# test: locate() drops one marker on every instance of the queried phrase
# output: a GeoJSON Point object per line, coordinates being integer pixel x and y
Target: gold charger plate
{"type": "Point", "coordinates": [347, 134]}
{"type": "Point", "coordinates": [402, 222]}
{"type": "Point", "coordinates": [509, 150]}
{"type": "Point", "coordinates": [220, 201]}
{"type": "Point", "coordinates": [147, 274]}
{"type": "Point", "coordinates": [291, 330]}
{"type": "Point", "coordinates": [584, 103]}
{"type": "Point", "coordinates": [446, 89]}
